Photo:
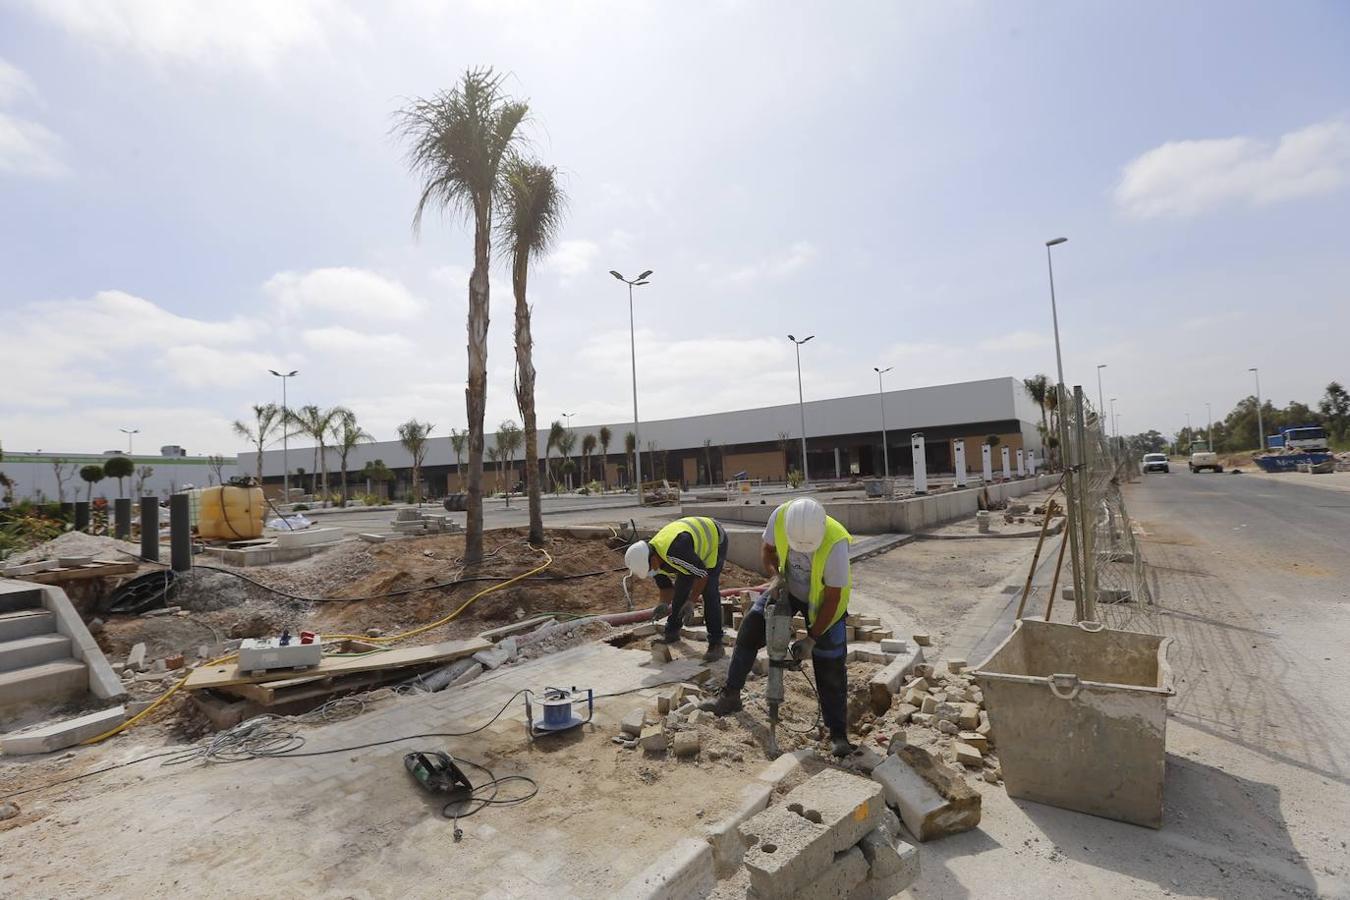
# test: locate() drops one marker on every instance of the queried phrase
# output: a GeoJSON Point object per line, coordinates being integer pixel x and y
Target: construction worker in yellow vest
{"type": "Point", "coordinates": [685, 558]}
{"type": "Point", "coordinates": [807, 551]}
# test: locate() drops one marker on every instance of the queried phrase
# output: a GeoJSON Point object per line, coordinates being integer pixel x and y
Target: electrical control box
{"type": "Point", "coordinates": [267, 654]}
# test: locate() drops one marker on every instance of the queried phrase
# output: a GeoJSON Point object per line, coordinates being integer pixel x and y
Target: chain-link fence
{"type": "Point", "coordinates": [1107, 567]}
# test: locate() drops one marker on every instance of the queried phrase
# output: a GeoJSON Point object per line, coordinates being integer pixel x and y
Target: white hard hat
{"type": "Point", "coordinates": [805, 524]}
{"type": "Point", "coordinates": [638, 559]}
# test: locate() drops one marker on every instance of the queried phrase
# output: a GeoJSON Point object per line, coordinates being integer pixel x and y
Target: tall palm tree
{"type": "Point", "coordinates": [413, 435]}
{"type": "Point", "coordinates": [459, 141]}
{"type": "Point", "coordinates": [509, 437]}
{"type": "Point", "coordinates": [587, 449]}
{"type": "Point", "coordinates": [457, 441]}
{"type": "Point", "coordinates": [346, 435]}
{"type": "Point", "coordinates": [318, 423]}
{"type": "Point", "coordinates": [1038, 386]}
{"type": "Point", "coordinates": [531, 215]}
{"type": "Point", "coordinates": [605, 437]}
{"type": "Point", "coordinates": [565, 445]}
{"type": "Point", "coordinates": [555, 436]}
{"type": "Point", "coordinates": [303, 422]}
{"type": "Point", "coordinates": [269, 421]}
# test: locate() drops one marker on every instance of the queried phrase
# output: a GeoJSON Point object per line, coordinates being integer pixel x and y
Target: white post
{"type": "Point", "coordinates": [1021, 464]}
{"type": "Point", "coordinates": [988, 467]}
{"type": "Point", "coordinates": [837, 472]}
{"type": "Point", "coordinates": [1031, 461]}
{"type": "Point", "coordinates": [1007, 469]}
{"type": "Point", "coordinates": [960, 465]}
{"type": "Point", "coordinates": [920, 463]}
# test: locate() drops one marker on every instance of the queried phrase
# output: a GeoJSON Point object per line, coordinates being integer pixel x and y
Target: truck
{"type": "Point", "coordinates": [1203, 458]}
{"type": "Point", "coordinates": [1305, 438]}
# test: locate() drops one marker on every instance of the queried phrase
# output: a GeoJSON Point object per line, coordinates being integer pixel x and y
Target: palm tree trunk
{"type": "Point", "coordinates": [260, 449]}
{"type": "Point", "coordinates": [525, 398]}
{"type": "Point", "coordinates": [475, 392]}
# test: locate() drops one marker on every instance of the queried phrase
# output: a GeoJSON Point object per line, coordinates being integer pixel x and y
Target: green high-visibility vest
{"type": "Point", "coordinates": [702, 529]}
{"type": "Point", "coordinates": [834, 533]}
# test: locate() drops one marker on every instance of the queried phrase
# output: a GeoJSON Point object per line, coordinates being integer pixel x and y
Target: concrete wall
{"type": "Point", "coordinates": [103, 682]}
{"type": "Point", "coordinates": [768, 465]}
{"type": "Point", "coordinates": [32, 478]}
{"type": "Point", "coordinates": [884, 516]}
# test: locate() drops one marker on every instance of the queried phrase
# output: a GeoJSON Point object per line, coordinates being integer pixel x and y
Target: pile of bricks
{"type": "Point", "coordinates": [415, 521]}
{"type": "Point", "coordinates": [832, 836]}
{"type": "Point", "coordinates": [950, 704]}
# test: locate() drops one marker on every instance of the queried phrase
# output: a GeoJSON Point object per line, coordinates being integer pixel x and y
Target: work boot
{"type": "Point", "coordinates": [724, 704]}
{"type": "Point", "coordinates": [714, 652]}
{"type": "Point", "coordinates": [840, 745]}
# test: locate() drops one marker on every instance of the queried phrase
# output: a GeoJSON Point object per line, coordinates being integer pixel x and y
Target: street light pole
{"type": "Point", "coordinates": [801, 405]}
{"type": "Point", "coordinates": [1209, 429]}
{"type": "Point", "coordinates": [129, 432]}
{"type": "Point", "coordinates": [285, 423]}
{"type": "Point", "coordinates": [881, 397]}
{"type": "Point", "coordinates": [1260, 425]}
{"type": "Point", "coordinates": [1101, 407]}
{"type": "Point", "coordinates": [632, 352]}
{"type": "Point", "coordinates": [1115, 432]}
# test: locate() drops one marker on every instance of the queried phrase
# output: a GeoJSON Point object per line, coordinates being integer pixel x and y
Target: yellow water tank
{"type": "Point", "coordinates": [230, 513]}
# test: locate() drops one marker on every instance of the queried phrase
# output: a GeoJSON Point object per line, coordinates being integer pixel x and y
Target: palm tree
{"type": "Point", "coordinates": [413, 435]}
{"type": "Point", "coordinates": [509, 437]}
{"type": "Point", "coordinates": [587, 449]}
{"type": "Point", "coordinates": [346, 435]}
{"type": "Point", "coordinates": [605, 437]}
{"type": "Point", "coordinates": [1038, 386]}
{"type": "Point", "coordinates": [269, 421]}
{"type": "Point", "coordinates": [630, 450]}
{"type": "Point", "coordinates": [457, 441]}
{"type": "Point", "coordinates": [565, 445]}
{"type": "Point", "coordinates": [459, 141]}
{"type": "Point", "coordinates": [494, 457]}
{"type": "Point", "coordinates": [531, 216]}
{"type": "Point", "coordinates": [555, 436]}
{"type": "Point", "coordinates": [316, 423]}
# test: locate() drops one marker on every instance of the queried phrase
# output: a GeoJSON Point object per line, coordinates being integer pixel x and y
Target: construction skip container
{"type": "Point", "coordinates": [230, 513]}
{"type": "Point", "coordinates": [1079, 717]}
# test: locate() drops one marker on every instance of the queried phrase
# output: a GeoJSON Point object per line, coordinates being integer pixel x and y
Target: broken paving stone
{"type": "Point", "coordinates": [969, 716]}
{"type": "Point", "coordinates": [991, 776]}
{"type": "Point", "coordinates": [967, 755]}
{"type": "Point", "coordinates": [687, 743]}
{"type": "Point", "coordinates": [923, 719]}
{"type": "Point", "coordinates": [931, 796]}
{"type": "Point", "coordinates": [661, 654]}
{"type": "Point", "coordinates": [633, 722]}
{"type": "Point", "coordinates": [923, 640]}
{"type": "Point", "coordinates": [975, 739]}
{"type": "Point", "coordinates": [653, 739]}
{"type": "Point", "coordinates": [947, 712]}
{"type": "Point", "coordinates": [947, 727]}
{"type": "Point", "coordinates": [923, 670]}
{"type": "Point", "coordinates": [904, 711]}
{"type": "Point", "coordinates": [136, 658]}
{"type": "Point", "coordinates": [914, 698]}
{"type": "Point", "coordinates": [955, 666]}
{"type": "Point", "coordinates": [928, 704]}
{"type": "Point", "coordinates": [160, 666]}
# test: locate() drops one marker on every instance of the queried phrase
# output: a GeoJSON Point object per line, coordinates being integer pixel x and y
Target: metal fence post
{"type": "Point", "coordinates": [150, 529]}
{"type": "Point", "coordinates": [122, 518]}
{"type": "Point", "coordinates": [180, 533]}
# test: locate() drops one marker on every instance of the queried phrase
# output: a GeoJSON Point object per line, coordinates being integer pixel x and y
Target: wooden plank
{"type": "Point", "coordinates": [80, 573]}
{"type": "Point", "coordinates": [448, 651]}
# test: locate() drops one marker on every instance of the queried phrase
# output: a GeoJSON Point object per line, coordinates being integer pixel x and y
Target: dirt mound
{"type": "Point", "coordinates": [77, 543]}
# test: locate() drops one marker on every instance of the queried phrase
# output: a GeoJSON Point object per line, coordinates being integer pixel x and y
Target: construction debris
{"type": "Point", "coordinates": [933, 799]}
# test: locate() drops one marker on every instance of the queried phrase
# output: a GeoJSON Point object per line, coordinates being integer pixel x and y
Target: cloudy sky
{"type": "Point", "coordinates": [194, 192]}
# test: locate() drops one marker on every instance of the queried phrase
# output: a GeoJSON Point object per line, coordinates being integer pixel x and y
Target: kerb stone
{"type": "Point", "coordinates": [847, 805]}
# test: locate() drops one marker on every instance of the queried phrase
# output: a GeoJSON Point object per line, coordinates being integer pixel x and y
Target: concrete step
{"type": "Point", "coordinates": [59, 680]}
{"type": "Point", "coordinates": [15, 597]}
{"type": "Point", "coordinates": [33, 651]}
{"type": "Point", "coordinates": [25, 623]}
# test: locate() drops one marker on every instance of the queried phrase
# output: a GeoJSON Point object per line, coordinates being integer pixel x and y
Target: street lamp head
{"type": "Point", "coordinates": [616, 275]}
{"type": "Point", "coordinates": [1253, 369]}
{"type": "Point", "coordinates": [792, 338]}
{"type": "Point", "coordinates": [275, 372]}
{"type": "Point", "coordinates": [1101, 365]}
{"type": "Point", "coordinates": [645, 274]}
{"type": "Point", "coordinates": [640, 283]}
{"type": "Point", "coordinates": [1053, 241]}
{"type": "Point", "coordinates": [807, 338]}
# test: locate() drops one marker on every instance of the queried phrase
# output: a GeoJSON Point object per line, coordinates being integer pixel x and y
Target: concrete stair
{"type": "Point", "coordinates": [36, 662]}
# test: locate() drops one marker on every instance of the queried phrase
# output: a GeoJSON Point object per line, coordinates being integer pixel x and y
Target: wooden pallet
{"type": "Point", "coordinates": [95, 569]}
{"type": "Point", "coordinates": [228, 675]}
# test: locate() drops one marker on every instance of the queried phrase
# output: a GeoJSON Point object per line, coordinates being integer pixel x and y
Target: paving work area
{"type": "Point", "coordinates": [655, 798]}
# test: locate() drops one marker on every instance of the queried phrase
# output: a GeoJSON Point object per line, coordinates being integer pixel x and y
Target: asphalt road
{"type": "Point", "coordinates": [1251, 577]}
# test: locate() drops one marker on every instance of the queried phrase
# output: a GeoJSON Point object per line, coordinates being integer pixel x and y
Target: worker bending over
{"type": "Point", "coordinates": [813, 548]}
{"type": "Point", "coordinates": [686, 558]}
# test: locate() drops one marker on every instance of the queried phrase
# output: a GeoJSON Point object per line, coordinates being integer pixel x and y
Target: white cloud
{"type": "Point", "coordinates": [200, 366]}
{"type": "Point", "coordinates": [779, 265]}
{"type": "Point", "coordinates": [345, 291]}
{"type": "Point", "coordinates": [1015, 340]}
{"type": "Point", "coordinates": [1184, 178]}
{"type": "Point", "coordinates": [340, 339]}
{"type": "Point", "coordinates": [28, 148]}
{"type": "Point", "coordinates": [573, 258]}
{"type": "Point", "coordinates": [257, 33]}
{"type": "Point", "coordinates": [14, 83]}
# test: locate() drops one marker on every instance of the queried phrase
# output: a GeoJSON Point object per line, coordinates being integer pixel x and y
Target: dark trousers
{"type": "Point", "coordinates": [712, 600]}
{"type": "Point", "coordinates": [831, 670]}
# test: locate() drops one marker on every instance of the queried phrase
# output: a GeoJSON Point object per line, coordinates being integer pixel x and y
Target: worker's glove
{"type": "Point", "coordinates": [802, 648]}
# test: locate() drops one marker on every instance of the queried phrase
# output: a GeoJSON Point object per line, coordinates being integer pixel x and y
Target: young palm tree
{"type": "Point", "coordinates": [565, 445]}
{"type": "Point", "coordinates": [509, 437]}
{"type": "Point", "coordinates": [587, 450]}
{"type": "Point", "coordinates": [1038, 386]}
{"type": "Point", "coordinates": [531, 215]}
{"type": "Point", "coordinates": [413, 435]}
{"type": "Point", "coordinates": [346, 435]}
{"type": "Point", "coordinates": [457, 441]}
{"type": "Point", "coordinates": [459, 142]}
{"type": "Point", "coordinates": [494, 457]}
{"type": "Point", "coordinates": [269, 422]}
{"type": "Point", "coordinates": [555, 436]}
{"type": "Point", "coordinates": [317, 423]}
{"type": "Point", "coordinates": [605, 437]}
{"type": "Point", "coordinates": [304, 422]}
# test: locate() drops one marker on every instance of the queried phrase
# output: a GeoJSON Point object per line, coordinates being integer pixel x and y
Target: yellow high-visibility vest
{"type": "Point", "coordinates": [702, 529]}
{"type": "Point", "coordinates": [834, 533]}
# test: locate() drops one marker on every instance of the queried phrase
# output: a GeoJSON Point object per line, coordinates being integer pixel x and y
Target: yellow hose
{"type": "Point", "coordinates": [548, 561]}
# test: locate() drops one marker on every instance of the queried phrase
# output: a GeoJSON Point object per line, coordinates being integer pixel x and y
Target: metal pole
{"type": "Point", "coordinates": [1086, 515]}
{"type": "Point", "coordinates": [881, 397]}
{"type": "Point", "coordinates": [1054, 315]}
{"type": "Point", "coordinates": [637, 430]}
{"type": "Point", "coordinates": [1101, 404]}
{"type": "Point", "coordinates": [180, 533]}
{"type": "Point", "coordinates": [150, 529]}
{"type": "Point", "coordinates": [801, 408]}
{"type": "Point", "coordinates": [285, 456]}
{"type": "Point", "coordinates": [1072, 508]}
{"type": "Point", "coordinates": [1260, 425]}
{"type": "Point", "coordinates": [122, 518]}
{"type": "Point", "coordinates": [82, 515]}
{"type": "Point", "coordinates": [1209, 427]}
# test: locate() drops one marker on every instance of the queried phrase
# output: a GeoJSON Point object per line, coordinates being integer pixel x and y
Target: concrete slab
{"type": "Point", "coordinates": [60, 735]}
